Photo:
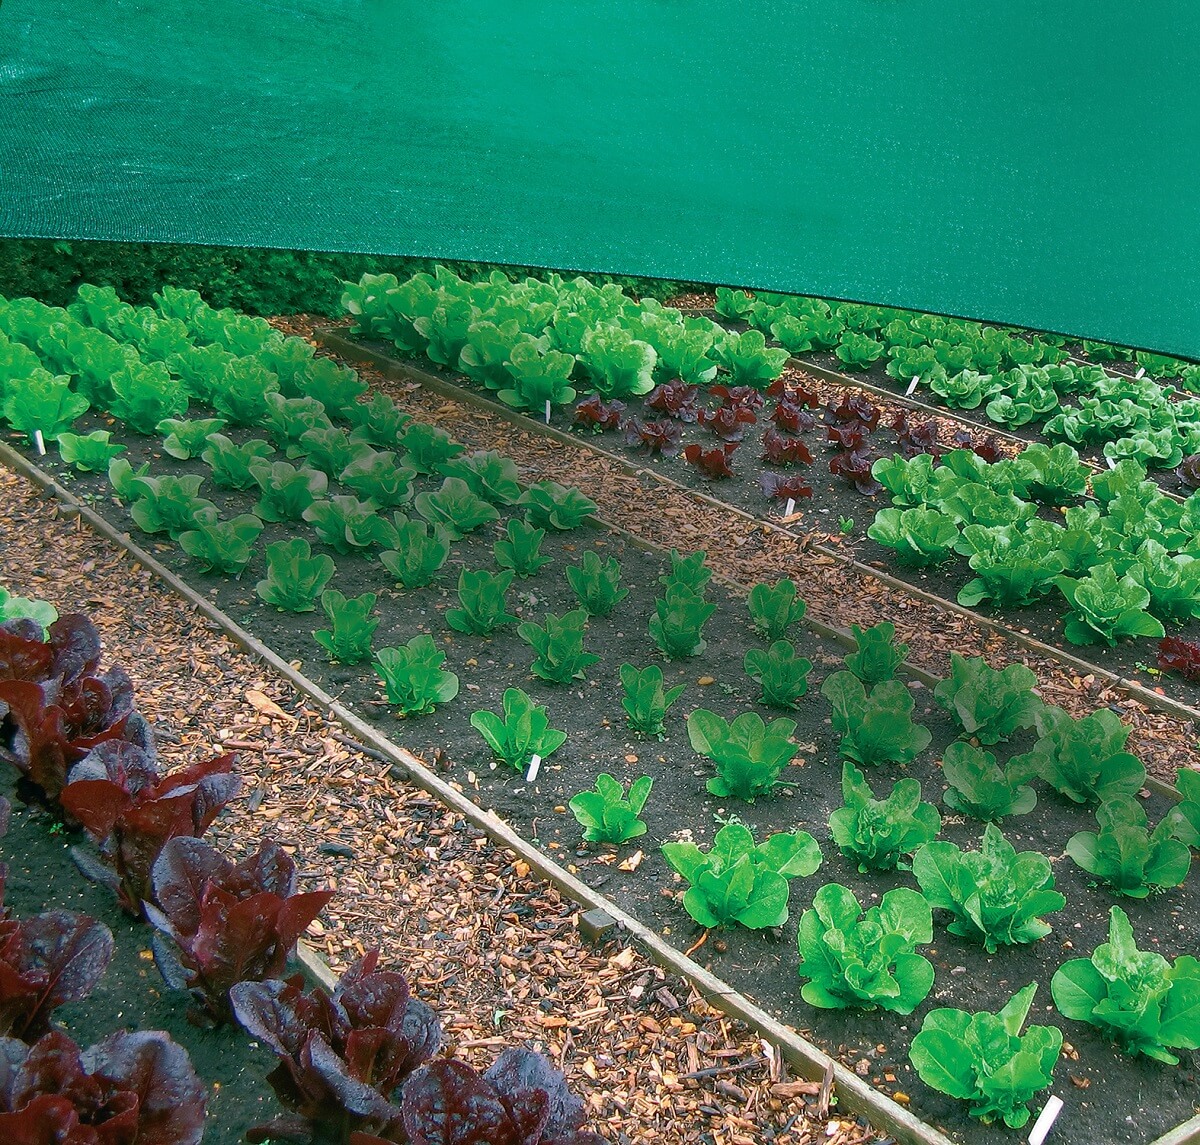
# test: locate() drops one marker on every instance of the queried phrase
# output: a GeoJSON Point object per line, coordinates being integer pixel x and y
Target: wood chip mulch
{"type": "Point", "coordinates": [490, 947]}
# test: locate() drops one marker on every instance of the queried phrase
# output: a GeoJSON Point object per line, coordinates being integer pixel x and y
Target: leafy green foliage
{"type": "Point", "coordinates": [980, 788]}
{"type": "Point", "coordinates": [337, 388]}
{"type": "Point", "coordinates": [123, 478]}
{"type": "Point", "coordinates": [865, 959]}
{"type": "Point", "coordinates": [748, 360]}
{"type": "Point", "coordinates": [170, 504]}
{"type": "Point", "coordinates": [1125, 856]}
{"type": "Point", "coordinates": [41, 401]}
{"type": "Point", "coordinates": [678, 620]}
{"type": "Point", "coordinates": [294, 577]}
{"type": "Point", "coordinates": [994, 894]}
{"type": "Point", "coordinates": [230, 462]}
{"type": "Point", "coordinates": [1137, 999]}
{"type": "Point", "coordinates": [1052, 475]}
{"type": "Point", "coordinates": [330, 450]}
{"type": "Point", "coordinates": [876, 727]}
{"type": "Point", "coordinates": [645, 701]}
{"type": "Point", "coordinates": [352, 626]}
{"type": "Point", "coordinates": [779, 672]}
{"type": "Point", "coordinates": [986, 703]}
{"type": "Point", "coordinates": [286, 491]}
{"type": "Point", "coordinates": [521, 733]}
{"type": "Point", "coordinates": [858, 351]}
{"type": "Point", "coordinates": [774, 609]}
{"type": "Point", "coordinates": [419, 553]}
{"type": "Point", "coordinates": [346, 523]}
{"type": "Point", "coordinates": [1016, 564]}
{"type": "Point", "coordinates": [1173, 582]}
{"type": "Point", "coordinates": [878, 833]}
{"type": "Point", "coordinates": [184, 438]}
{"type": "Point", "coordinates": [596, 584]}
{"type": "Point", "coordinates": [379, 422]}
{"type": "Point", "coordinates": [240, 396]}
{"type": "Point", "coordinates": [223, 546]}
{"type": "Point", "coordinates": [286, 421]}
{"type": "Point", "coordinates": [690, 571]}
{"type": "Point", "coordinates": [380, 478]}
{"type": "Point", "coordinates": [549, 505]}
{"type": "Point", "coordinates": [1083, 758]}
{"type": "Point", "coordinates": [455, 508]}
{"type": "Point", "coordinates": [482, 596]}
{"type": "Point", "coordinates": [88, 452]}
{"type": "Point", "coordinates": [749, 755]}
{"type": "Point", "coordinates": [877, 655]}
{"type": "Point", "coordinates": [559, 646]}
{"type": "Point", "coordinates": [428, 447]}
{"type": "Point", "coordinates": [145, 394]}
{"type": "Point", "coordinates": [1106, 607]}
{"type": "Point", "coordinates": [739, 881]}
{"type": "Point", "coordinates": [984, 1058]}
{"type": "Point", "coordinates": [1185, 816]}
{"type": "Point", "coordinates": [607, 815]}
{"type": "Point", "coordinates": [22, 608]}
{"type": "Point", "coordinates": [539, 375]}
{"type": "Point", "coordinates": [618, 365]}
{"type": "Point", "coordinates": [520, 550]}
{"type": "Point", "coordinates": [489, 475]}
{"type": "Point", "coordinates": [919, 537]}
{"type": "Point", "coordinates": [413, 677]}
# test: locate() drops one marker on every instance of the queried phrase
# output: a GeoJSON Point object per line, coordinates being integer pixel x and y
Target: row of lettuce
{"type": "Point", "coordinates": [362, 1060]}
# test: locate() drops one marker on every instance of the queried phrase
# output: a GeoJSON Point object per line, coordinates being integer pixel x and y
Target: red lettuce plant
{"type": "Point", "coordinates": [220, 923]}
{"type": "Point", "coordinates": [727, 422]}
{"type": "Point", "coordinates": [802, 395]}
{"type": "Point", "coordinates": [342, 1056]}
{"type": "Point", "coordinates": [779, 449]}
{"type": "Point", "coordinates": [598, 415]}
{"type": "Point", "coordinates": [1188, 471]}
{"type": "Point", "coordinates": [738, 397]}
{"type": "Point", "coordinates": [849, 436]}
{"type": "Point", "coordinates": [986, 446]}
{"type": "Point", "coordinates": [1181, 657]}
{"type": "Point", "coordinates": [676, 399]}
{"type": "Point", "coordinates": [712, 463]}
{"type": "Point", "coordinates": [70, 651]}
{"type": "Point", "coordinates": [123, 803]}
{"type": "Point", "coordinates": [914, 438]}
{"type": "Point", "coordinates": [776, 485]}
{"type": "Point", "coordinates": [854, 466]}
{"type": "Point", "coordinates": [792, 416]}
{"type": "Point", "coordinates": [130, 1089]}
{"type": "Point", "coordinates": [850, 409]}
{"type": "Point", "coordinates": [654, 437]}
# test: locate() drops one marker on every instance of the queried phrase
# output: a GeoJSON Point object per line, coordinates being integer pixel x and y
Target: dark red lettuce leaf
{"type": "Point", "coordinates": [989, 447]}
{"type": "Point", "coordinates": [738, 397]}
{"type": "Point", "coordinates": [116, 794]}
{"type": "Point", "coordinates": [676, 399]}
{"type": "Point", "coordinates": [1181, 657]}
{"type": "Point", "coordinates": [1188, 471]}
{"type": "Point", "coordinates": [848, 436]}
{"type": "Point", "coordinates": [854, 466]}
{"type": "Point", "coordinates": [657, 438]}
{"type": "Point", "coordinates": [914, 438]}
{"type": "Point", "coordinates": [597, 415]}
{"type": "Point", "coordinates": [792, 416]}
{"type": "Point", "coordinates": [45, 962]}
{"type": "Point", "coordinates": [727, 422]}
{"type": "Point", "coordinates": [229, 922]}
{"type": "Point", "coordinates": [778, 449]}
{"type": "Point", "coordinates": [776, 485]}
{"type": "Point", "coordinates": [712, 463]}
{"type": "Point", "coordinates": [852, 408]}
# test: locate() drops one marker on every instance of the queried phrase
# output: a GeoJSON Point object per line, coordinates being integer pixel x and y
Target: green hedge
{"type": "Point", "coordinates": [256, 281]}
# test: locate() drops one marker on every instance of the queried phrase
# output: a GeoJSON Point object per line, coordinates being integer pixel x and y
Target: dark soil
{"type": "Point", "coordinates": [1140, 1099]}
{"type": "Point", "coordinates": [131, 995]}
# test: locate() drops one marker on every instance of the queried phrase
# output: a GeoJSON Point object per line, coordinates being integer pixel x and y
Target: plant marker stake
{"type": "Point", "coordinates": [547, 411]}
{"type": "Point", "coordinates": [1140, 374]}
{"type": "Point", "coordinates": [790, 507]}
{"type": "Point", "coordinates": [534, 764]}
{"type": "Point", "coordinates": [1046, 1119]}
{"type": "Point", "coordinates": [1111, 463]}
{"type": "Point", "coordinates": [39, 442]}
{"type": "Point", "coordinates": [912, 386]}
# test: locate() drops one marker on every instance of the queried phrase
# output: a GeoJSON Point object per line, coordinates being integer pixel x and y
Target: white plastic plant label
{"type": "Point", "coordinates": [912, 387]}
{"type": "Point", "coordinates": [1045, 1120]}
{"type": "Point", "coordinates": [40, 442]}
{"type": "Point", "coordinates": [535, 765]}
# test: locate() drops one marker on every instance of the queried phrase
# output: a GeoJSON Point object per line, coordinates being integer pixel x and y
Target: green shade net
{"type": "Point", "coordinates": [1027, 162]}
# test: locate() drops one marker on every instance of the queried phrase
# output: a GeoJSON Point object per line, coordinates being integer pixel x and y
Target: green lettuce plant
{"type": "Point", "coordinates": [347, 524]}
{"type": "Point", "coordinates": [419, 554]}
{"type": "Point", "coordinates": [520, 549]}
{"type": "Point", "coordinates": [484, 607]}
{"type": "Point", "coordinates": [617, 364]}
{"type": "Point", "coordinates": [876, 655]}
{"type": "Point", "coordinates": [1173, 582]}
{"type": "Point", "coordinates": [294, 577]}
{"type": "Point", "coordinates": [607, 814]}
{"type": "Point", "coordinates": [1015, 564]}
{"type": "Point", "coordinates": [910, 481]}
{"type": "Point", "coordinates": [144, 394]}
{"type": "Point", "coordinates": [878, 833]}
{"type": "Point", "coordinates": [413, 677]}
{"type": "Point", "coordinates": [865, 959]}
{"type": "Point", "coordinates": [240, 396]}
{"type": "Point", "coordinates": [919, 537]}
{"type": "Point", "coordinates": [984, 1059]}
{"type": "Point", "coordinates": [678, 620]}
{"type": "Point", "coordinates": [455, 508]}
{"type": "Point", "coordinates": [558, 643]}
{"type": "Point", "coordinates": [1052, 475]}
{"type": "Point", "coordinates": [748, 359]}
{"type": "Point", "coordinates": [352, 626]}
{"type": "Point", "coordinates": [330, 450]}
{"type": "Point", "coordinates": [1083, 758]}
{"type": "Point", "coordinates": [223, 546]}
{"type": "Point", "coordinates": [488, 474]}
{"type": "Point", "coordinates": [738, 881]}
{"type": "Point", "coordinates": [23, 608]}
{"type": "Point", "coordinates": [995, 895]}
{"type": "Point", "coordinates": [645, 700]}
{"type": "Point", "coordinates": [748, 753]}
{"type": "Point", "coordinates": [286, 420]}
{"type": "Point", "coordinates": [966, 389]}
{"type": "Point", "coordinates": [286, 492]}
{"type": "Point", "coordinates": [379, 477]}
{"type": "Point", "coordinates": [858, 351]}
{"type": "Point", "coordinates": [986, 703]}
{"type": "Point", "coordinates": [485, 356]}
{"type": "Point", "coordinates": [690, 571]}
{"type": "Point", "coordinates": [539, 375]}
{"type": "Point", "coordinates": [1185, 815]}
{"type": "Point", "coordinates": [379, 422]}
{"type": "Point", "coordinates": [779, 672]}
{"type": "Point", "coordinates": [876, 727]}
{"type": "Point", "coordinates": [170, 504]}
{"type": "Point", "coordinates": [596, 584]}
{"type": "Point", "coordinates": [1136, 999]}
{"type": "Point", "coordinates": [774, 609]}
{"type": "Point", "coordinates": [428, 448]}
{"type": "Point", "coordinates": [230, 462]}
{"type": "Point", "coordinates": [42, 402]}
{"type": "Point", "coordinates": [549, 505]}
{"type": "Point", "coordinates": [337, 388]}
{"type": "Point", "coordinates": [185, 438]}
{"type": "Point", "coordinates": [981, 788]}
{"type": "Point", "coordinates": [522, 732]}
{"type": "Point", "coordinates": [1125, 856]}
{"type": "Point", "coordinates": [124, 478]}
{"type": "Point", "coordinates": [88, 452]}
{"type": "Point", "coordinates": [1106, 607]}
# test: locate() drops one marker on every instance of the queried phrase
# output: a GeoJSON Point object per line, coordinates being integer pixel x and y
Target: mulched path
{"type": "Point", "coordinates": [494, 950]}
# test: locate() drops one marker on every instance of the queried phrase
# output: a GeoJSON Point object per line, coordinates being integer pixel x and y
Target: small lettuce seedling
{"type": "Point", "coordinates": [987, 704]}
{"type": "Point", "coordinates": [1185, 815]}
{"type": "Point", "coordinates": [488, 474]}
{"type": "Point", "coordinates": [330, 450]}
{"type": "Point", "coordinates": [428, 448]}
{"type": "Point", "coordinates": [740, 881]}
{"type": "Point", "coordinates": [520, 550]}
{"type": "Point", "coordinates": [878, 833]}
{"type": "Point", "coordinates": [782, 675]}
{"type": "Point", "coordinates": [337, 388]}
{"type": "Point", "coordinates": [877, 655]}
{"type": "Point", "coordinates": [774, 609]}
{"type": "Point", "coordinates": [41, 612]}
{"type": "Point", "coordinates": [866, 960]}
{"type": "Point", "coordinates": [875, 728]}
{"type": "Point", "coordinates": [482, 596]}
{"type": "Point", "coordinates": [419, 553]}
{"type": "Point", "coordinates": [549, 505]}
{"type": "Point", "coordinates": [596, 583]}
{"type": "Point", "coordinates": [287, 420]}
{"type": "Point", "coordinates": [348, 641]}
{"type": "Point", "coordinates": [994, 894]}
{"type": "Point", "coordinates": [294, 577]}
{"type": "Point", "coordinates": [918, 537]}
{"type": "Point", "coordinates": [286, 491]}
{"type": "Point", "coordinates": [523, 732]}
{"type": "Point", "coordinates": [539, 375]}
{"type": "Point", "coordinates": [559, 646]}
{"type": "Point", "coordinates": [241, 394]}
{"type": "Point", "coordinates": [678, 620]}
{"type": "Point", "coordinates": [379, 478]}
{"type": "Point", "coordinates": [748, 753]}
{"type": "Point", "coordinates": [455, 508]}
{"type": "Point", "coordinates": [980, 788]}
{"type": "Point", "coordinates": [347, 524]}
{"type": "Point", "coordinates": [691, 571]}
{"type": "Point", "coordinates": [607, 815]}
{"type": "Point", "coordinates": [379, 422]}
{"type": "Point", "coordinates": [1106, 607]}
{"type": "Point", "coordinates": [413, 677]}
{"type": "Point", "coordinates": [1125, 856]}
{"type": "Point", "coordinates": [170, 504]}
{"type": "Point", "coordinates": [645, 701]}
{"type": "Point", "coordinates": [984, 1058]}
{"type": "Point", "coordinates": [185, 438]}
{"type": "Point", "coordinates": [1137, 999]}
{"type": "Point", "coordinates": [144, 394]}
{"type": "Point", "coordinates": [230, 463]}
{"type": "Point", "coordinates": [223, 546]}
{"type": "Point", "coordinates": [88, 452]}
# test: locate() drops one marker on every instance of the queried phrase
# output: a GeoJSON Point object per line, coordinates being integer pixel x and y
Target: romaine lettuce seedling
{"type": "Point", "coordinates": [413, 677]}
{"type": "Point", "coordinates": [780, 673]}
{"type": "Point", "coordinates": [645, 701]}
{"type": "Point", "coordinates": [521, 733]}
{"type": "Point", "coordinates": [286, 491]}
{"type": "Point", "coordinates": [348, 641]}
{"type": "Point", "coordinates": [170, 504]}
{"type": "Point", "coordinates": [484, 607]}
{"type": "Point", "coordinates": [347, 524]}
{"type": "Point", "coordinates": [1106, 607]}
{"type": "Point", "coordinates": [988, 704]}
{"type": "Point", "coordinates": [520, 550]}
{"type": "Point", "coordinates": [678, 620]}
{"type": "Point", "coordinates": [878, 833]}
{"type": "Point", "coordinates": [488, 474]}
{"type": "Point", "coordinates": [774, 609]}
{"type": "Point", "coordinates": [596, 583]}
{"type": "Point", "coordinates": [549, 505]}
{"type": "Point", "coordinates": [420, 552]}
{"type": "Point", "coordinates": [185, 438]}
{"type": "Point", "coordinates": [1125, 856]}
{"type": "Point", "coordinates": [42, 403]}
{"type": "Point", "coordinates": [379, 478]}
{"type": "Point", "coordinates": [144, 394]}
{"type": "Point", "coordinates": [877, 655]}
{"type": "Point", "coordinates": [455, 508]}
{"type": "Point", "coordinates": [875, 728]}
{"type": "Point", "coordinates": [223, 546]}
{"type": "Point", "coordinates": [559, 646]}
{"type": "Point", "coordinates": [980, 788]}
{"type": "Point", "coordinates": [294, 577]}
{"type": "Point", "coordinates": [88, 452]}
{"type": "Point", "coordinates": [749, 755]}
{"type": "Point", "coordinates": [230, 463]}
{"type": "Point", "coordinates": [607, 814]}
